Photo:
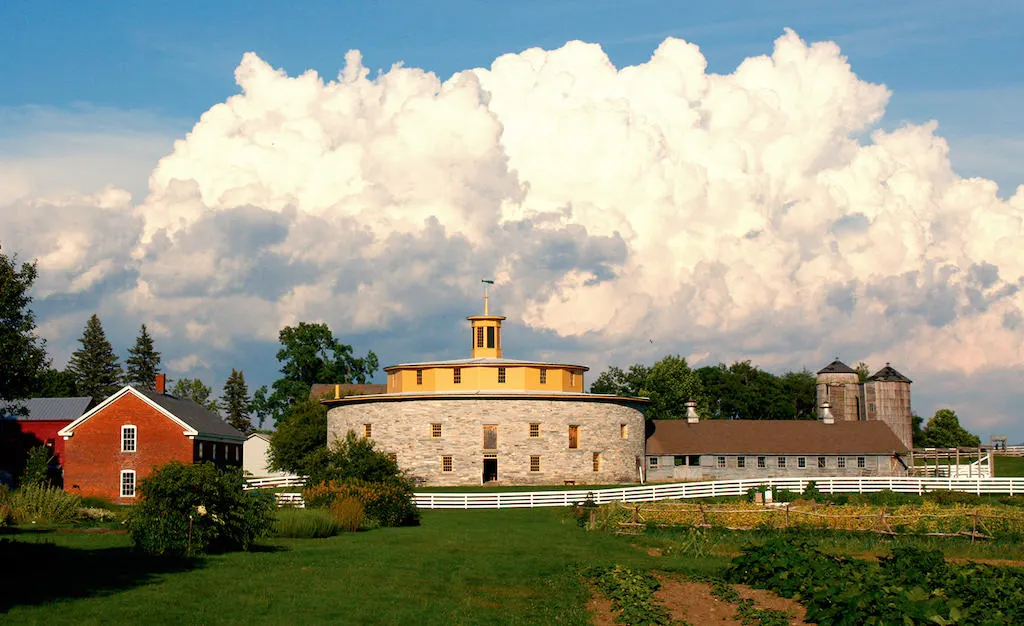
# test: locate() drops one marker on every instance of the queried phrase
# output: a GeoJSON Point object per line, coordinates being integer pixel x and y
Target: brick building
{"type": "Point", "coordinates": [108, 450]}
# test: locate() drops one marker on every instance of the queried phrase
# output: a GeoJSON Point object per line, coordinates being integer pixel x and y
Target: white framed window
{"type": "Point", "coordinates": [821, 462]}
{"type": "Point", "coordinates": [762, 462]}
{"type": "Point", "coordinates": [721, 462]}
{"type": "Point", "coordinates": [129, 438]}
{"type": "Point", "coordinates": [652, 461]}
{"type": "Point", "coordinates": [841, 462]}
{"type": "Point", "coordinates": [127, 483]}
{"type": "Point", "coordinates": [861, 462]}
{"type": "Point", "coordinates": [741, 462]}
{"type": "Point", "coordinates": [801, 462]}
{"type": "Point", "coordinates": [214, 455]}
{"type": "Point", "coordinates": [782, 462]}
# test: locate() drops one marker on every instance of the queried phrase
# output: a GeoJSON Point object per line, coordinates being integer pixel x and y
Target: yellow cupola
{"type": "Point", "coordinates": [486, 330]}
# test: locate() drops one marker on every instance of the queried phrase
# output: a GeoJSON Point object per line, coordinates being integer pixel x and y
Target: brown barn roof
{"type": "Point", "coordinates": [889, 374]}
{"type": "Point", "coordinates": [320, 390]}
{"type": "Point", "coordinates": [837, 367]}
{"type": "Point", "coordinates": [771, 437]}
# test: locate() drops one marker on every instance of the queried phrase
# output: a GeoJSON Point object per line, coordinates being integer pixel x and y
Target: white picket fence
{"type": "Point", "coordinates": [705, 489]}
{"type": "Point", "coordinates": [271, 482]}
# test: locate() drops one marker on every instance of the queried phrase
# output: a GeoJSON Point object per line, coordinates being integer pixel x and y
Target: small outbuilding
{"type": "Point", "coordinates": [42, 419]}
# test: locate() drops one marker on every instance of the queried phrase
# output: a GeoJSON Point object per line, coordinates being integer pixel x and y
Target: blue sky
{"type": "Point", "coordinates": [95, 94]}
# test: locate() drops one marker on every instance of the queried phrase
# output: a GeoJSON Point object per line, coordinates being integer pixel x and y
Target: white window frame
{"type": "Point", "coordinates": [841, 462]}
{"type": "Point", "coordinates": [741, 462]}
{"type": "Point", "coordinates": [822, 462]}
{"type": "Point", "coordinates": [135, 437]}
{"type": "Point", "coordinates": [801, 462]}
{"type": "Point", "coordinates": [652, 461]}
{"type": "Point", "coordinates": [781, 462]}
{"type": "Point", "coordinates": [121, 484]}
{"type": "Point", "coordinates": [862, 462]}
{"type": "Point", "coordinates": [721, 462]}
{"type": "Point", "coordinates": [762, 462]}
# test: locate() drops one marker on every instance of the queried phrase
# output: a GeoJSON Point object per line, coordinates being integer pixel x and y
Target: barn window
{"type": "Point", "coordinates": [501, 374]}
{"type": "Point", "coordinates": [534, 463]}
{"type": "Point", "coordinates": [762, 462]}
{"type": "Point", "coordinates": [435, 431]}
{"type": "Point", "coordinates": [741, 462]}
{"type": "Point", "coordinates": [841, 462]}
{"type": "Point", "coordinates": [129, 438]}
{"type": "Point", "coordinates": [535, 430]}
{"type": "Point", "coordinates": [574, 437]}
{"type": "Point", "coordinates": [480, 337]}
{"type": "Point", "coordinates": [801, 462]}
{"type": "Point", "coordinates": [623, 431]}
{"type": "Point", "coordinates": [782, 462]}
{"type": "Point", "coordinates": [457, 375]}
{"type": "Point", "coordinates": [597, 461]}
{"type": "Point", "coordinates": [821, 462]}
{"type": "Point", "coordinates": [652, 461]}
{"type": "Point", "coordinates": [367, 430]}
{"type": "Point", "coordinates": [861, 461]}
{"type": "Point", "coordinates": [419, 377]}
{"type": "Point", "coordinates": [446, 464]}
{"type": "Point", "coordinates": [543, 376]}
{"type": "Point", "coordinates": [721, 462]}
{"type": "Point", "coordinates": [695, 460]}
{"type": "Point", "coordinates": [679, 461]}
{"type": "Point", "coordinates": [490, 437]}
{"type": "Point", "coordinates": [127, 483]}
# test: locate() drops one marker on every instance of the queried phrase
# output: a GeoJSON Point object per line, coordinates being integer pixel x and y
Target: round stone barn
{"type": "Point", "coordinates": [491, 419]}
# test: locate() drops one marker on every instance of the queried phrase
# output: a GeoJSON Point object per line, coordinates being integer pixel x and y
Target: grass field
{"type": "Point", "coordinates": [1006, 466]}
{"type": "Point", "coordinates": [467, 567]}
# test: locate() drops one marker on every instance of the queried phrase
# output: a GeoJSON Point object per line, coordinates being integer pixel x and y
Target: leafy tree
{"type": "Point", "coordinates": [236, 402]}
{"type": "Point", "coordinates": [54, 383]}
{"type": "Point", "coordinates": [863, 373]}
{"type": "Point", "coordinates": [669, 383]}
{"type": "Point", "coordinates": [94, 365]}
{"type": "Point", "coordinates": [143, 362]}
{"type": "Point", "coordinates": [802, 387]}
{"type": "Point", "coordinates": [310, 354]}
{"type": "Point", "coordinates": [300, 438]}
{"type": "Point", "coordinates": [195, 390]}
{"type": "Point", "coordinates": [917, 433]}
{"type": "Point", "coordinates": [22, 354]}
{"type": "Point", "coordinates": [352, 457]}
{"type": "Point", "coordinates": [943, 430]}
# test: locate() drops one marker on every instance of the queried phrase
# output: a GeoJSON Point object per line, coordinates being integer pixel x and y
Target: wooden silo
{"type": "Point", "coordinates": [839, 385]}
{"type": "Point", "coordinates": [887, 399]}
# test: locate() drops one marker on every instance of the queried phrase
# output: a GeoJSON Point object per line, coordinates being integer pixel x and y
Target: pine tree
{"type": "Point", "coordinates": [236, 401]}
{"type": "Point", "coordinates": [143, 362]}
{"type": "Point", "coordinates": [97, 372]}
{"type": "Point", "coordinates": [22, 354]}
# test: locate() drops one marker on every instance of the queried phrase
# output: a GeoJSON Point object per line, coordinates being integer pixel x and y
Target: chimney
{"type": "Point", "coordinates": [691, 412]}
{"type": "Point", "coordinates": [161, 383]}
{"type": "Point", "coordinates": [337, 392]}
{"type": "Point", "coordinates": [826, 413]}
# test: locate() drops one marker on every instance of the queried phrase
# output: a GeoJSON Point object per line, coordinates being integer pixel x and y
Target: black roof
{"type": "Point", "coordinates": [195, 415]}
{"type": "Point", "coordinates": [888, 374]}
{"type": "Point", "coordinates": [837, 367]}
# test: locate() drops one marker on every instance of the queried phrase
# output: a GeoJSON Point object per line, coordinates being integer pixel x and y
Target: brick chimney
{"type": "Point", "coordinates": [691, 412]}
{"type": "Point", "coordinates": [161, 383]}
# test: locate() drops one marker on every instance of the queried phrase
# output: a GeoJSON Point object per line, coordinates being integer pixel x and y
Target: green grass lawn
{"type": "Point", "coordinates": [1006, 466]}
{"type": "Point", "coordinates": [465, 567]}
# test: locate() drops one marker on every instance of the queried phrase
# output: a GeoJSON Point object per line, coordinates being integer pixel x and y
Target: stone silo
{"type": "Point", "coordinates": [839, 385]}
{"type": "Point", "coordinates": [887, 399]}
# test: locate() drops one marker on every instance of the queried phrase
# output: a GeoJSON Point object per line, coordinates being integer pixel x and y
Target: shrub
{"type": "Point", "coordinates": [305, 523]}
{"type": "Point", "coordinates": [39, 504]}
{"type": "Point", "coordinates": [192, 509]}
{"type": "Point", "coordinates": [6, 510]}
{"type": "Point", "coordinates": [349, 513]}
{"type": "Point", "coordinates": [387, 503]}
{"type": "Point", "coordinates": [945, 496]}
{"type": "Point", "coordinates": [37, 467]}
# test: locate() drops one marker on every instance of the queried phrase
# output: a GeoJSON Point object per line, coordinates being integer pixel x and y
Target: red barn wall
{"type": "Point", "coordinates": [93, 459]}
{"type": "Point", "coordinates": [45, 430]}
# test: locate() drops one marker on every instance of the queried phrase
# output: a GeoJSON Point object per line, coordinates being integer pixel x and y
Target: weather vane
{"type": "Point", "coordinates": [487, 283]}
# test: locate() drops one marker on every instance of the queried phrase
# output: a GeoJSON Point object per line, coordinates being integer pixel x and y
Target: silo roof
{"type": "Point", "coordinates": [837, 367]}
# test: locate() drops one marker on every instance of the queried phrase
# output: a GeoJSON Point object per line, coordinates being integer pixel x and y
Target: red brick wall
{"type": "Point", "coordinates": [93, 459]}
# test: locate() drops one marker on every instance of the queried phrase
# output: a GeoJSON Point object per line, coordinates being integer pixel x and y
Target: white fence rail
{"type": "Point", "coordinates": [710, 489]}
{"type": "Point", "coordinates": [270, 482]}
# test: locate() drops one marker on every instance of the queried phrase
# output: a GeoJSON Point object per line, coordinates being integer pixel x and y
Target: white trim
{"type": "Point", "coordinates": [135, 437]}
{"type": "Point", "coordinates": [68, 431]}
{"type": "Point", "coordinates": [121, 483]}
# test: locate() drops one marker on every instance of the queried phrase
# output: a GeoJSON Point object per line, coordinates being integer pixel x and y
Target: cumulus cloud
{"type": "Point", "coordinates": [758, 214]}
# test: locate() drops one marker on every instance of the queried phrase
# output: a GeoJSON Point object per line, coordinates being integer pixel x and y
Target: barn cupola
{"type": "Point", "coordinates": [486, 329]}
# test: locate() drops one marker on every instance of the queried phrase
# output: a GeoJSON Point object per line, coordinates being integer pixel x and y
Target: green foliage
{"type": "Point", "coordinates": [24, 354]}
{"type": "Point", "coordinates": [669, 383]}
{"type": "Point", "coordinates": [305, 523]}
{"type": "Point", "coordinates": [195, 390]}
{"type": "Point", "coordinates": [386, 503]}
{"type": "Point", "coordinates": [54, 383]}
{"type": "Point", "coordinates": [352, 457]}
{"type": "Point", "coordinates": [744, 391]}
{"type": "Point", "coordinates": [42, 504]}
{"type": "Point", "coordinates": [746, 611]}
{"type": "Point", "coordinates": [943, 430]}
{"type": "Point", "coordinates": [192, 509]}
{"type": "Point", "coordinates": [310, 354]}
{"type": "Point", "coordinates": [349, 513]}
{"type": "Point", "coordinates": [236, 402]}
{"type": "Point", "coordinates": [6, 508]}
{"type": "Point", "coordinates": [631, 593]}
{"type": "Point", "coordinates": [94, 366]}
{"type": "Point", "coordinates": [912, 586]}
{"type": "Point", "coordinates": [37, 467]}
{"type": "Point", "coordinates": [143, 362]}
{"type": "Point", "coordinates": [917, 433]}
{"type": "Point", "coordinates": [299, 444]}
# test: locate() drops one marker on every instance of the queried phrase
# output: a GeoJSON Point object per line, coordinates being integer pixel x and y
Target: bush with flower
{"type": "Point", "coordinates": [186, 510]}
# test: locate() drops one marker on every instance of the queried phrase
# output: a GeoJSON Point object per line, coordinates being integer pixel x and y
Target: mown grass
{"type": "Point", "coordinates": [468, 567]}
{"type": "Point", "coordinates": [1007, 466]}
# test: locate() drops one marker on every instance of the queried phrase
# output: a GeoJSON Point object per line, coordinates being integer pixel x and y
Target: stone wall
{"type": "Point", "coordinates": [404, 427]}
{"type": "Point", "coordinates": [708, 469]}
